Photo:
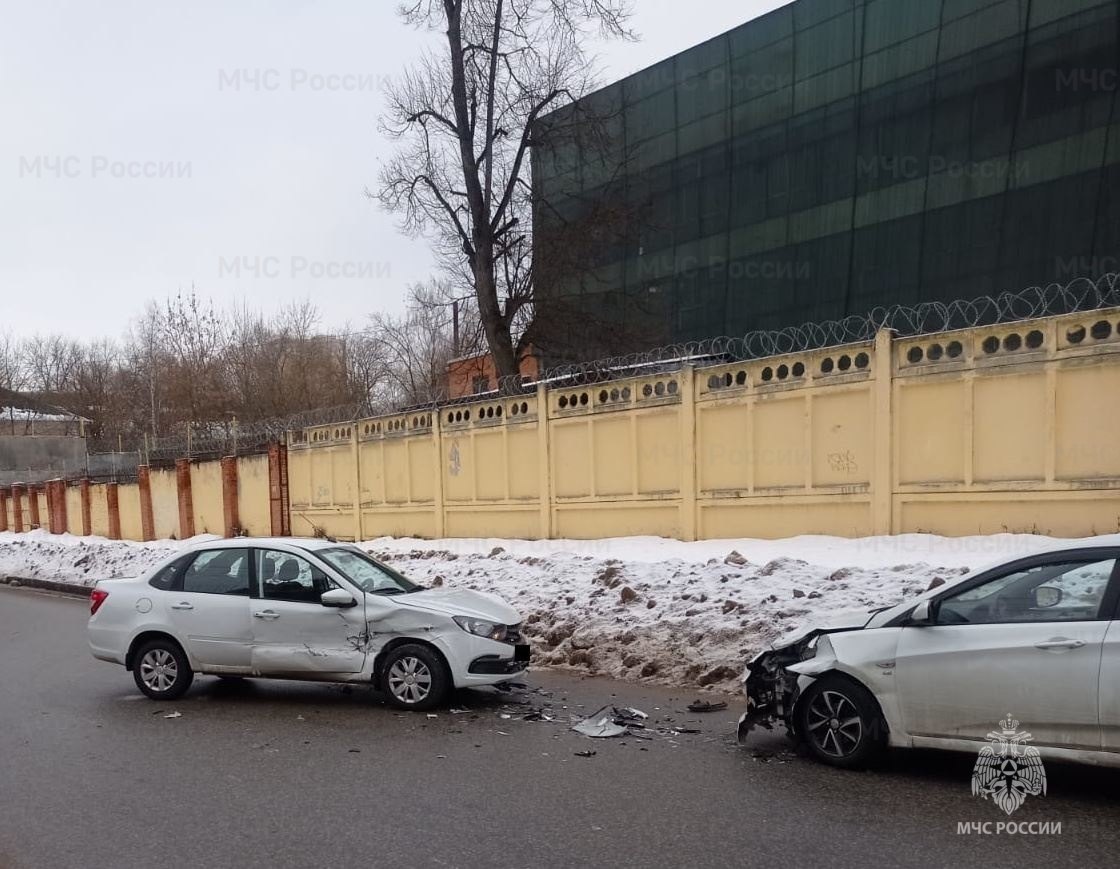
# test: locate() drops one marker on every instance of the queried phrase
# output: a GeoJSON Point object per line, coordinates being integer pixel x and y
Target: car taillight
{"type": "Point", "coordinates": [96, 598]}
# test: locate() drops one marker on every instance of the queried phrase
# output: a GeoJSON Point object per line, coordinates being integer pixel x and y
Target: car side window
{"type": "Point", "coordinates": [284, 576]}
{"type": "Point", "coordinates": [218, 571]}
{"type": "Point", "coordinates": [165, 579]}
{"type": "Point", "coordinates": [1059, 592]}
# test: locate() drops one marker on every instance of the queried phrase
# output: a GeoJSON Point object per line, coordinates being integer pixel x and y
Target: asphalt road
{"type": "Point", "coordinates": [277, 774]}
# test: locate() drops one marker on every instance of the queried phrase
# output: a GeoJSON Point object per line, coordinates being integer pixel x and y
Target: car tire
{"type": "Point", "coordinates": [414, 677]}
{"type": "Point", "coordinates": [840, 723]}
{"type": "Point", "coordinates": [161, 670]}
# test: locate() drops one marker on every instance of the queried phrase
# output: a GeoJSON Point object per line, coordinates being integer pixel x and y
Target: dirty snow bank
{"type": "Point", "coordinates": [674, 612]}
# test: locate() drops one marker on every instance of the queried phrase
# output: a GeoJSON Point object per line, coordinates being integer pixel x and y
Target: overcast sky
{"type": "Point", "coordinates": [146, 147]}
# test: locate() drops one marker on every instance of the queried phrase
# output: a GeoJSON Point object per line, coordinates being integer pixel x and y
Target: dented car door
{"type": "Point", "coordinates": [294, 634]}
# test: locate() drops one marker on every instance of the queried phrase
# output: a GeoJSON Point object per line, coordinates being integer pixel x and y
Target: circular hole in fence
{"type": "Point", "coordinates": [524, 407]}
{"type": "Point", "coordinates": [827, 365]}
{"type": "Point", "coordinates": [845, 362]}
{"type": "Point", "coordinates": [767, 374]}
{"type": "Point", "coordinates": [783, 372]}
{"type": "Point", "coordinates": [1034, 339]}
{"type": "Point", "coordinates": [1012, 342]}
{"type": "Point", "coordinates": [935, 352]}
{"type": "Point", "coordinates": [914, 355]}
{"type": "Point", "coordinates": [862, 360]}
{"type": "Point", "coordinates": [647, 391]}
{"type": "Point", "coordinates": [990, 345]}
{"type": "Point", "coordinates": [659, 388]}
{"type": "Point", "coordinates": [741, 378]}
{"type": "Point", "coordinates": [955, 349]}
{"type": "Point", "coordinates": [583, 398]}
{"type": "Point", "coordinates": [798, 369]}
{"type": "Point", "coordinates": [614, 395]}
{"type": "Point", "coordinates": [1101, 329]}
{"type": "Point", "coordinates": [563, 401]}
{"type": "Point", "coordinates": [672, 387]}
{"type": "Point", "coordinates": [1076, 335]}
{"type": "Point", "coordinates": [603, 396]}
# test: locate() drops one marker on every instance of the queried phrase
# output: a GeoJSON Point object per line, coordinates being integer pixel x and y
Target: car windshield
{"type": "Point", "coordinates": [367, 574]}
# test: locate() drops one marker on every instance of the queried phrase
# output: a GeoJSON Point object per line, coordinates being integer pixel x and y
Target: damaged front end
{"type": "Point", "coordinates": [771, 681]}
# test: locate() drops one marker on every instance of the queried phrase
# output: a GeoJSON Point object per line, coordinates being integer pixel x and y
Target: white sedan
{"type": "Point", "coordinates": [302, 609]}
{"type": "Point", "coordinates": [1034, 640]}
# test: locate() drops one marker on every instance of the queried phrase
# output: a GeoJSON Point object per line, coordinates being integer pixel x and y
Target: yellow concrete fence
{"type": "Point", "coordinates": [1008, 428]}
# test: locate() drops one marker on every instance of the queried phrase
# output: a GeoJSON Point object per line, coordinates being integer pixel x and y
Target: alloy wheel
{"type": "Point", "coordinates": [834, 724]}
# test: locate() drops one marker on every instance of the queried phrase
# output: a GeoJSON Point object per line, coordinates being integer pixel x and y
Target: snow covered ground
{"type": "Point", "coordinates": [688, 614]}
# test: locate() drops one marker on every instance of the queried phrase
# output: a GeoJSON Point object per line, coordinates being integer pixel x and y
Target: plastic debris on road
{"type": "Point", "coordinates": [610, 721]}
{"type": "Point", "coordinates": [706, 706]}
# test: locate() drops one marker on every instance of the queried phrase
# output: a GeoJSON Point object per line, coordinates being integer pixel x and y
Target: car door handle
{"type": "Point", "coordinates": [266, 614]}
{"type": "Point", "coordinates": [1059, 643]}
{"type": "Point", "coordinates": [182, 605]}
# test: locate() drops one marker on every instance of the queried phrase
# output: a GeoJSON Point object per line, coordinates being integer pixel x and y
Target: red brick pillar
{"type": "Point", "coordinates": [230, 510]}
{"type": "Point", "coordinates": [56, 506]}
{"type": "Point", "coordinates": [33, 505]}
{"type": "Point", "coordinates": [17, 507]}
{"type": "Point", "coordinates": [186, 502]}
{"type": "Point", "coordinates": [87, 507]}
{"type": "Point", "coordinates": [5, 495]}
{"type": "Point", "coordinates": [147, 519]}
{"type": "Point", "coordinates": [112, 499]}
{"type": "Point", "coordinates": [63, 508]}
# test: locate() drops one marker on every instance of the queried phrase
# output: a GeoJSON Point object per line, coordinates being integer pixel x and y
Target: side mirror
{"type": "Point", "coordinates": [1047, 596]}
{"type": "Point", "coordinates": [338, 597]}
{"type": "Point", "coordinates": [920, 616]}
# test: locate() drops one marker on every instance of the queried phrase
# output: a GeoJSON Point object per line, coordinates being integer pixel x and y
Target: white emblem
{"type": "Point", "coordinates": [1009, 770]}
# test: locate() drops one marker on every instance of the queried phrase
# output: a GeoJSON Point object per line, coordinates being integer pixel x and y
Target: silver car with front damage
{"type": "Point", "coordinates": [1035, 637]}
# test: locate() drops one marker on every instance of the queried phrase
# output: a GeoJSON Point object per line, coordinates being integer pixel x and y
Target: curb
{"type": "Point", "coordinates": [67, 588]}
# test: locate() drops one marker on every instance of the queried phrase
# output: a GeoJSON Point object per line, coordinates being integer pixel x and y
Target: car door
{"type": "Point", "coordinates": [1110, 684]}
{"type": "Point", "coordinates": [209, 607]}
{"type": "Point", "coordinates": [294, 634]}
{"type": "Point", "coordinates": [1025, 640]}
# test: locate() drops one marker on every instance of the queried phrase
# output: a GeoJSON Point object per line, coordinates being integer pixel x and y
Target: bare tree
{"type": "Point", "coordinates": [465, 120]}
{"type": "Point", "coordinates": [416, 347]}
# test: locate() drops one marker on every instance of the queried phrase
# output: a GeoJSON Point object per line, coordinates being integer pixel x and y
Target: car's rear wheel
{"type": "Point", "coordinates": [414, 677]}
{"type": "Point", "coordinates": [840, 722]}
{"type": "Point", "coordinates": [162, 671]}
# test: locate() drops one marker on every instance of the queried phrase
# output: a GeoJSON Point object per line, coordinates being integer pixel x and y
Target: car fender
{"type": "Point", "coordinates": [868, 657]}
{"type": "Point", "coordinates": [163, 628]}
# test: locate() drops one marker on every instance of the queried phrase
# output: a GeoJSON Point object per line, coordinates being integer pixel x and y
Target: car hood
{"type": "Point", "coordinates": [461, 602]}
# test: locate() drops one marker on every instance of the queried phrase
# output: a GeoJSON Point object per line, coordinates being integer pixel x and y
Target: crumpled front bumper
{"type": "Point", "coordinates": [772, 688]}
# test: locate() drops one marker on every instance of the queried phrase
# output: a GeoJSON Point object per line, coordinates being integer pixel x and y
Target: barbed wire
{"type": "Point", "coordinates": [1081, 294]}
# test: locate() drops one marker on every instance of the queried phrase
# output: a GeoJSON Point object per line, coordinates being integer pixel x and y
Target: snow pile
{"type": "Point", "coordinates": [81, 560]}
{"type": "Point", "coordinates": [635, 608]}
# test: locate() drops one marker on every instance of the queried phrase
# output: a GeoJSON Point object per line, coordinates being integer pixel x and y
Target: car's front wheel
{"type": "Point", "coordinates": [840, 722]}
{"type": "Point", "coordinates": [162, 671]}
{"type": "Point", "coordinates": [414, 677]}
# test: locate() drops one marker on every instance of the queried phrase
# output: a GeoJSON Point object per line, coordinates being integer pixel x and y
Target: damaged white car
{"type": "Point", "coordinates": [302, 609]}
{"type": "Point", "coordinates": [1033, 639]}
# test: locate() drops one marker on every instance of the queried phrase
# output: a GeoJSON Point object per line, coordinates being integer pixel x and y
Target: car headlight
{"type": "Point", "coordinates": [482, 628]}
